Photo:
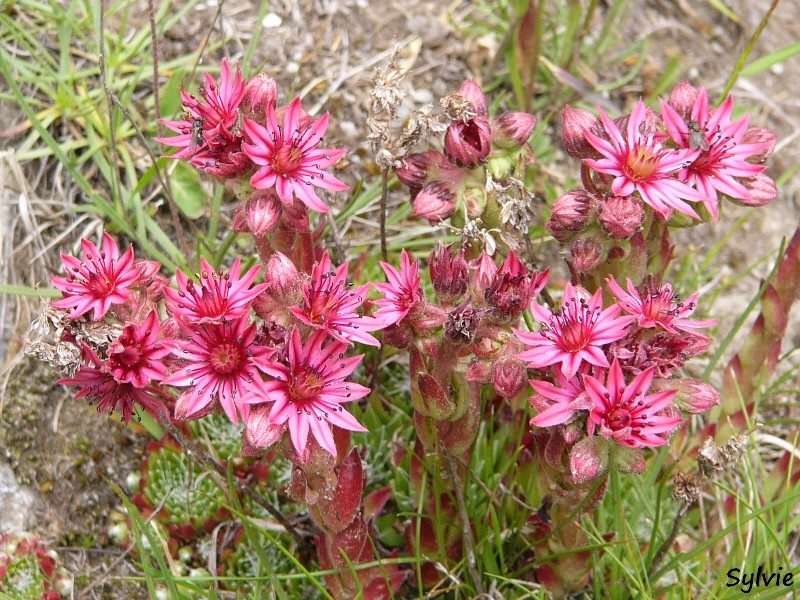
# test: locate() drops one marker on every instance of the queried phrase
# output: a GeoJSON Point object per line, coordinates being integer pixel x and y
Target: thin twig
{"type": "Point", "coordinates": [112, 131]}
{"type": "Point", "coordinates": [469, 543]}
{"type": "Point", "coordinates": [173, 208]}
{"type": "Point", "coordinates": [202, 456]}
{"type": "Point", "coordinates": [665, 546]}
{"type": "Point", "coordinates": [384, 193]}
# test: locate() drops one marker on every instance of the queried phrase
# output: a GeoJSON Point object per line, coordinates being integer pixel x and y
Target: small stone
{"type": "Point", "coordinates": [271, 21]}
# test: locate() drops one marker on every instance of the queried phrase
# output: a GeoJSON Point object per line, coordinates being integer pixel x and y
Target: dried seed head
{"type": "Point", "coordinates": [687, 488]}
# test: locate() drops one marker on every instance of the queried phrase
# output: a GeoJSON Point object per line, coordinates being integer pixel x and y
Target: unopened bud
{"type": "Point", "coordinates": [693, 396]}
{"type": "Point", "coordinates": [509, 294]}
{"type": "Point", "coordinates": [588, 459]}
{"type": "Point", "coordinates": [473, 94]}
{"type": "Point", "coordinates": [483, 274]}
{"type": "Point", "coordinates": [572, 210]}
{"type": "Point", "coordinates": [448, 273]}
{"type": "Point", "coordinates": [281, 277]}
{"type": "Point", "coordinates": [760, 135]}
{"type": "Point", "coordinates": [682, 99]}
{"type": "Point", "coordinates": [436, 201]}
{"type": "Point", "coordinates": [468, 143]}
{"type": "Point", "coordinates": [416, 169]}
{"type": "Point", "coordinates": [259, 93]}
{"type": "Point", "coordinates": [259, 214]}
{"type": "Point", "coordinates": [587, 253]}
{"type": "Point", "coordinates": [512, 129]}
{"type": "Point", "coordinates": [621, 216]}
{"type": "Point", "coordinates": [575, 123]}
{"type": "Point", "coordinates": [762, 191]}
{"type": "Point", "coordinates": [509, 376]}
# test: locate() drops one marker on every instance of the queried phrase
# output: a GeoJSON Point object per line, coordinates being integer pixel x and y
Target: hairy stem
{"type": "Point", "coordinates": [384, 193]}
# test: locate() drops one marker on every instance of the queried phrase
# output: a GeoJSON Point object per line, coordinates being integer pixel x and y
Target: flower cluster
{"type": "Point", "coordinates": [270, 344]}
{"type": "Point", "coordinates": [439, 180]}
{"type": "Point", "coordinates": [236, 131]}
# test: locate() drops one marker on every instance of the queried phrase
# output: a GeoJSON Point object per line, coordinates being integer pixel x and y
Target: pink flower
{"type": "Point", "coordinates": [626, 413]}
{"type": "Point", "coordinates": [289, 158]}
{"type": "Point", "coordinates": [95, 382]}
{"type": "Point", "coordinates": [309, 389]}
{"type": "Point", "coordinates": [135, 356]}
{"type": "Point", "coordinates": [573, 333]}
{"type": "Point", "coordinates": [221, 364]}
{"type": "Point", "coordinates": [657, 305]}
{"type": "Point", "coordinates": [558, 403]}
{"type": "Point", "coordinates": [101, 279]}
{"type": "Point", "coordinates": [639, 163]}
{"type": "Point", "coordinates": [219, 297]}
{"type": "Point", "coordinates": [723, 156]}
{"type": "Point", "coordinates": [401, 293]}
{"type": "Point", "coordinates": [330, 306]}
{"type": "Point", "coordinates": [209, 134]}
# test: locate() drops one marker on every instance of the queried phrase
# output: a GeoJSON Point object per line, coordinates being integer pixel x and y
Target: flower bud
{"type": "Point", "coordinates": [762, 191]}
{"type": "Point", "coordinates": [760, 135]}
{"type": "Point", "coordinates": [682, 99]}
{"type": "Point", "coordinates": [436, 201]}
{"type": "Point", "coordinates": [462, 323]}
{"type": "Point", "coordinates": [483, 275]}
{"type": "Point", "coordinates": [509, 376]}
{"type": "Point", "coordinates": [512, 129]}
{"type": "Point", "coordinates": [260, 433]}
{"type": "Point", "coordinates": [468, 143]}
{"type": "Point", "coordinates": [693, 396]}
{"type": "Point", "coordinates": [572, 210]}
{"type": "Point", "coordinates": [479, 371]}
{"type": "Point", "coordinates": [587, 253]}
{"type": "Point", "coordinates": [473, 94]}
{"type": "Point", "coordinates": [588, 459]}
{"type": "Point", "coordinates": [259, 93]}
{"type": "Point", "coordinates": [509, 294]}
{"type": "Point", "coordinates": [448, 273]}
{"type": "Point", "coordinates": [621, 216]}
{"type": "Point", "coordinates": [259, 214]}
{"type": "Point", "coordinates": [281, 278]}
{"type": "Point", "coordinates": [417, 167]}
{"type": "Point", "coordinates": [575, 123]}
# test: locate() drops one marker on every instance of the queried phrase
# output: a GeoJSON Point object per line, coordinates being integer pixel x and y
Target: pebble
{"type": "Point", "coordinates": [21, 505]}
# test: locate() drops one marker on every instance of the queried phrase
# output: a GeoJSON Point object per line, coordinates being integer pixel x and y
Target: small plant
{"type": "Point", "coordinates": [29, 570]}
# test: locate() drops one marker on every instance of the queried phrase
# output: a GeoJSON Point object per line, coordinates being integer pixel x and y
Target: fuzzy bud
{"type": "Point", "coordinates": [436, 201]}
{"type": "Point", "coordinates": [509, 376]}
{"type": "Point", "coordinates": [483, 274]}
{"type": "Point", "coordinates": [418, 168]}
{"type": "Point", "coordinates": [571, 212]}
{"type": "Point", "coordinates": [448, 273]}
{"type": "Point", "coordinates": [468, 143]}
{"type": "Point", "coordinates": [472, 93]}
{"type": "Point", "coordinates": [693, 396]}
{"type": "Point", "coordinates": [260, 432]}
{"type": "Point", "coordinates": [621, 216]}
{"type": "Point", "coordinates": [762, 191]}
{"type": "Point", "coordinates": [575, 123]}
{"type": "Point", "coordinates": [281, 277]}
{"type": "Point", "coordinates": [587, 253]}
{"type": "Point", "coordinates": [512, 129]}
{"type": "Point", "coordinates": [259, 214]}
{"type": "Point", "coordinates": [588, 459]}
{"type": "Point", "coordinates": [760, 135]}
{"type": "Point", "coordinates": [682, 99]}
{"type": "Point", "coordinates": [259, 93]}
{"type": "Point", "coordinates": [511, 290]}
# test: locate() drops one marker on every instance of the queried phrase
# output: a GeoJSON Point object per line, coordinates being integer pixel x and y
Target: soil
{"type": "Point", "coordinates": [328, 49]}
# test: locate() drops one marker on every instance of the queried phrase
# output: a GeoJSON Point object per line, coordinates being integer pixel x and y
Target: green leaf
{"type": "Point", "coordinates": [171, 95]}
{"type": "Point", "coordinates": [187, 190]}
